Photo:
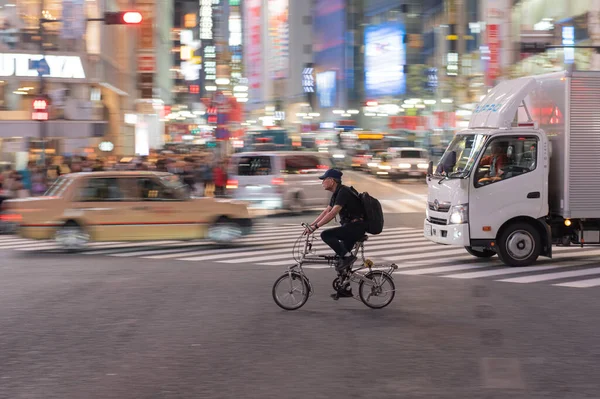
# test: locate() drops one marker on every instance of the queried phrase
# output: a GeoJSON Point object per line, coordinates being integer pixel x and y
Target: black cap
{"type": "Point", "coordinates": [336, 174]}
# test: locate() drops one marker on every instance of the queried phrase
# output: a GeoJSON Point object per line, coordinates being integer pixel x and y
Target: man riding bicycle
{"type": "Point", "coordinates": [352, 219]}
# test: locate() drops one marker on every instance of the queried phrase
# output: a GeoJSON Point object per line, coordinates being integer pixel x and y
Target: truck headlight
{"type": "Point", "coordinates": [459, 214]}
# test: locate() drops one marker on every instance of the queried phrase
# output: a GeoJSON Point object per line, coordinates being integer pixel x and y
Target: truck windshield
{"type": "Point", "coordinates": [461, 154]}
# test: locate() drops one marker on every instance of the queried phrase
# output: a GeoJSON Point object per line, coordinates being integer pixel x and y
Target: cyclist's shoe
{"type": "Point", "coordinates": [342, 293]}
{"type": "Point", "coordinates": [345, 263]}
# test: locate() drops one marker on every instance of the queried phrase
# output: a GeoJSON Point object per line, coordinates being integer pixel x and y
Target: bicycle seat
{"type": "Point", "coordinates": [363, 238]}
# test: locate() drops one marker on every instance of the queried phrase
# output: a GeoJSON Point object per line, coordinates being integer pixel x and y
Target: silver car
{"type": "Point", "coordinates": [279, 180]}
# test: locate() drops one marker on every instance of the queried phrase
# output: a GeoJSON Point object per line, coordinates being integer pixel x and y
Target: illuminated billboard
{"type": "Point", "coordinates": [385, 59]}
{"type": "Point", "coordinates": [279, 37]}
{"type": "Point", "coordinates": [329, 52]}
{"type": "Point", "coordinates": [253, 48]}
{"type": "Point", "coordinates": [326, 89]}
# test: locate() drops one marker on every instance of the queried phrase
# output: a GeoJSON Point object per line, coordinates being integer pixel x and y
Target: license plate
{"type": "Point", "coordinates": [414, 174]}
{"type": "Point", "coordinates": [427, 229]}
{"type": "Point", "coordinates": [253, 187]}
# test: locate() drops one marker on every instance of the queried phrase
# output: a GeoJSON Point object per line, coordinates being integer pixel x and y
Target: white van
{"type": "Point", "coordinates": [279, 180]}
{"type": "Point", "coordinates": [409, 162]}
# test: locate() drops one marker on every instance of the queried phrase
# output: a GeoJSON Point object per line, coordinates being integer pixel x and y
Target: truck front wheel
{"type": "Point", "coordinates": [519, 245]}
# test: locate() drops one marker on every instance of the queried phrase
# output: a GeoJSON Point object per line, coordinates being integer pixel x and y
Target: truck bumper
{"type": "Point", "coordinates": [454, 234]}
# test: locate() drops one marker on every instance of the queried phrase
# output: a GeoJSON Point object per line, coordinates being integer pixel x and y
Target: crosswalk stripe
{"type": "Point", "coordinates": [519, 270]}
{"type": "Point", "coordinates": [594, 282]}
{"type": "Point", "coordinates": [552, 276]}
{"type": "Point", "coordinates": [279, 249]}
{"type": "Point", "coordinates": [435, 254]}
{"type": "Point", "coordinates": [15, 241]}
{"type": "Point", "coordinates": [400, 206]}
{"type": "Point", "coordinates": [432, 270]}
{"type": "Point", "coordinates": [370, 251]}
{"type": "Point", "coordinates": [216, 253]}
{"type": "Point", "coordinates": [499, 272]}
{"type": "Point", "coordinates": [152, 251]}
{"type": "Point", "coordinates": [128, 247]}
{"type": "Point", "coordinates": [288, 243]}
{"type": "Point", "coordinates": [109, 248]}
{"type": "Point", "coordinates": [26, 244]}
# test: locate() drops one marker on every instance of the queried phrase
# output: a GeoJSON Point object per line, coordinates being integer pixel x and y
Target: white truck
{"type": "Point", "coordinates": [525, 174]}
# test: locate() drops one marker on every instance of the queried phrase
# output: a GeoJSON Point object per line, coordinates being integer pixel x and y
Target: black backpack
{"type": "Point", "coordinates": [373, 211]}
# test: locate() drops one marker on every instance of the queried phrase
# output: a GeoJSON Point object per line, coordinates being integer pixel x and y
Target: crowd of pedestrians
{"type": "Point", "coordinates": [204, 175]}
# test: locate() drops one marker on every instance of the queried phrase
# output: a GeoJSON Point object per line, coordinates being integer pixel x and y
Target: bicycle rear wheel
{"type": "Point", "coordinates": [380, 292]}
{"type": "Point", "coordinates": [291, 293]}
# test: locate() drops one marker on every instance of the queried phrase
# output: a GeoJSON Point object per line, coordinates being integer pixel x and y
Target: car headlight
{"type": "Point", "coordinates": [404, 166]}
{"type": "Point", "coordinates": [422, 166]}
{"type": "Point", "coordinates": [459, 214]}
{"type": "Point", "coordinates": [371, 164]}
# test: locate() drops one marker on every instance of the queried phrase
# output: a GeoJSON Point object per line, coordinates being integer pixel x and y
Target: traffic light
{"type": "Point", "coordinates": [122, 18]}
{"type": "Point", "coordinates": [40, 109]}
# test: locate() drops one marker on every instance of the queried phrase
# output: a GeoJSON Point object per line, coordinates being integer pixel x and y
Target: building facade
{"type": "Point", "coordinates": [88, 74]}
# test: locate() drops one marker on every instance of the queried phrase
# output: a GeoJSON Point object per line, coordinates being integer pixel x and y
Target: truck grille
{"type": "Point", "coordinates": [443, 207]}
{"type": "Point", "coordinates": [439, 221]}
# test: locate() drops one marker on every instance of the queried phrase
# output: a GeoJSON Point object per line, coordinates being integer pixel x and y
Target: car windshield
{"type": "Point", "coordinates": [173, 183]}
{"type": "Point", "coordinates": [412, 154]}
{"type": "Point", "coordinates": [461, 154]}
{"type": "Point", "coordinates": [59, 186]}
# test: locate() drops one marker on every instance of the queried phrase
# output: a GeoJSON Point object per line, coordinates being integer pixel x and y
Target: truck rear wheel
{"type": "Point", "coordinates": [480, 253]}
{"type": "Point", "coordinates": [519, 245]}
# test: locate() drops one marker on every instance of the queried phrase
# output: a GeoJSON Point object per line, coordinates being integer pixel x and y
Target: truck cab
{"type": "Point", "coordinates": [489, 193]}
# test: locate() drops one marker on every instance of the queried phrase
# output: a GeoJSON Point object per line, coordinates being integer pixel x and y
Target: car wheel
{"type": "Point", "coordinates": [296, 204]}
{"type": "Point", "coordinates": [71, 237]}
{"type": "Point", "coordinates": [224, 231]}
{"type": "Point", "coordinates": [519, 245]}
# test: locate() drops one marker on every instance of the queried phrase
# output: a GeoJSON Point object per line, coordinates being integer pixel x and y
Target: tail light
{"type": "Point", "coordinates": [322, 167]}
{"type": "Point", "coordinates": [11, 218]}
{"type": "Point", "coordinates": [232, 184]}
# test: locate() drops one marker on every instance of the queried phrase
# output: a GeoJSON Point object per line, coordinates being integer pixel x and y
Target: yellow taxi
{"type": "Point", "coordinates": [126, 206]}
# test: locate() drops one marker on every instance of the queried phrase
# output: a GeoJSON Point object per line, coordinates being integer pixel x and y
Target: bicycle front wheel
{"type": "Point", "coordinates": [378, 291]}
{"type": "Point", "coordinates": [291, 291]}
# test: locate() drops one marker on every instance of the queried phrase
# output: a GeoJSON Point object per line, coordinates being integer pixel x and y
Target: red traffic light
{"type": "Point", "coordinates": [132, 17]}
{"type": "Point", "coordinates": [122, 18]}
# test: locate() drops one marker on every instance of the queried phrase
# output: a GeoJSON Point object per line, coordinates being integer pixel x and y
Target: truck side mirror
{"type": "Point", "coordinates": [430, 168]}
{"type": "Point", "coordinates": [449, 161]}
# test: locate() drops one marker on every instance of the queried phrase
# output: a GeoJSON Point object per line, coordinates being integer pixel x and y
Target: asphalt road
{"type": "Point", "coordinates": [86, 326]}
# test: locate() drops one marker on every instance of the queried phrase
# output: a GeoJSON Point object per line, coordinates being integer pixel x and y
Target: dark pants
{"type": "Point", "coordinates": [342, 239]}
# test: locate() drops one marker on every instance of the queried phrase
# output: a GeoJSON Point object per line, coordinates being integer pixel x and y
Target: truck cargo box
{"type": "Point", "coordinates": [566, 105]}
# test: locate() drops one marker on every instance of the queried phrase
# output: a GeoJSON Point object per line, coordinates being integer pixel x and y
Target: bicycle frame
{"type": "Point", "coordinates": [354, 275]}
